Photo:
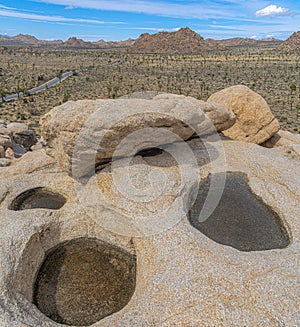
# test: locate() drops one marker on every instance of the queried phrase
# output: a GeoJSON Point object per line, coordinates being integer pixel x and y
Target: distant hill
{"type": "Point", "coordinates": [22, 40]}
{"type": "Point", "coordinates": [182, 41]}
{"type": "Point", "coordinates": [113, 44]}
{"type": "Point", "coordinates": [292, 43]}
{"type": "Point", "coordinates": [247, 42]}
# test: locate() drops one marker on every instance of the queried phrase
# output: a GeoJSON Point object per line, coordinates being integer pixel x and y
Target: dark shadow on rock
{"type": "Point", "coordinates": [84, 280]}
{"type": "Point", "coordinates": [241, 219]}
{"type": "Point", "coordinates": [38, 198]}
{"type": "Point", "coordinates": [166, 155]}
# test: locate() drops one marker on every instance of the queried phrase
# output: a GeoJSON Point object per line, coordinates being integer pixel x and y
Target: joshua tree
{"type": "Point", "coordinates": [293, 88]}
{"type": "Point", "coordinates": [2, 94]}
{"type": "Point", "coordinates": [60, 75]}
{"type": "Point", "coordinates": [21, 90]}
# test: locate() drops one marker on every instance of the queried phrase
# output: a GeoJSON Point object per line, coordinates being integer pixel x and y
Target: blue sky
{"type": "Point", "coordinates": [92, 20]}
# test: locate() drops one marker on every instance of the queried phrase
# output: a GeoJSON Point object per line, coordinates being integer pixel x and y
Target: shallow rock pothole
{"type": "Point", "coordinates": [84, 280]}
{"type": "Point", "coordinates": [38, 198]}
{"type": "Point", "coordinates": [241, 219]}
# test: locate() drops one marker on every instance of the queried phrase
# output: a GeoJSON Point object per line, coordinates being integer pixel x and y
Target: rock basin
{"type": "Point", "coordinates": [38, 198]}
{"type": "Point", "coordinates": [241, 219]}
{"type": "Point", "coordinates": [84, 280]}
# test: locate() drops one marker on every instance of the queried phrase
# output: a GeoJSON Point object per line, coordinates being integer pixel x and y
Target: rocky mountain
{"type": "Point", "coordinates": [73, 42]}
{"type": "Point", "coordinates": [211, 44]}
{"type": "Point", "coordinates": [182, 41]}
{"type": "Point", "coordinates": [22, 40]}
{"type": "Point", "coordinates": [248, 42]}
{"type": "Point", "coordinates": [19, 40]}
{"type": "Point", "coordinates": [292, 43]}
{"type": "Point", "coordinates": [25, 40]}
{"type": "Point", "coordinates": [112, 44]}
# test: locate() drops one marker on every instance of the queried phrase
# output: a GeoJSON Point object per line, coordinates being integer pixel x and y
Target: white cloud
{"type": "Point", "coordinates": [45, 18]}
{"type": "Point", "coordinates": [273, 10]}
{"type": "Point", "coordinates": [182, 9]}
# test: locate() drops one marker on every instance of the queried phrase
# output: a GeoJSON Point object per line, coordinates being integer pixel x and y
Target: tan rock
{"type": "Point", "coordinates": [17, 127]}
{"type": "Point", "coordinates": [89, 133]}
{"type": "Point", "coordinates": [6, 141]}
{"type": "Point", "coordinates": [221, 117]}
{"type": "Point", "coordinates": [5, 131]}
{"type": "Point", "coordinates": [38, 146]}
{"type": "Point", "coordinates": [255, 122]}
{"type": "Point", "coordinates": [9, 153]}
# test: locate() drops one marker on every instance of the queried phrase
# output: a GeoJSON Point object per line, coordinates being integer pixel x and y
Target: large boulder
{"type": "Point", "coordinates": [255, 122]}
{"type": "Point", "coordinates": [185, 276]}
{"type": "Point", "coordinates": [221, 117]}
{"type": "Point", "coordinates": [88, 133]}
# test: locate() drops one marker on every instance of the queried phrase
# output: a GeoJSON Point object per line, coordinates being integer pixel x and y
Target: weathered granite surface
{"type": "Point", "coordinates": [183, 278]}
{"type": "Point", "coordinates": [95, 129]}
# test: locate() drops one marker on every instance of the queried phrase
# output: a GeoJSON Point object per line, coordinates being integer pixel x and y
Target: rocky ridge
{"type": "Point", "coordinates": [292, 43]}
{"type": "Point", "coordinates": [182, 41]}
{"type": "Point", "coordinates": [22, 40]}
{"type": "Point", "coordinates": [248, 42]}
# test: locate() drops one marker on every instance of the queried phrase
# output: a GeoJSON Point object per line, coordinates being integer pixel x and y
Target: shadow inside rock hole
{"type": "Point", "coordinates": [167, 155]}
{"type": "Point", "coordinates": [38, 197]}
{"type": "Point", "coordinates": [84, 280]}
{"type": "Point", "coordinates": [241, 219]}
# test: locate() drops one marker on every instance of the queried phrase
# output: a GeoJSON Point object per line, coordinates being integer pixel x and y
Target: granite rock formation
{"type": "Point", "coordinates": [138, 226]}
{"type": "Point", "coordinates": [255, 122]}
{"type": "Point", "coordinates": [74, 130]}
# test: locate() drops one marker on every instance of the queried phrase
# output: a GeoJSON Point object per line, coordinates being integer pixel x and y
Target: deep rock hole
{"type": "Point", "coordinates": [241, 219]}
{"type": "Point", "coordinates": [84, 280]}
{"type": "Point", "coordinates": [38, 198]}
